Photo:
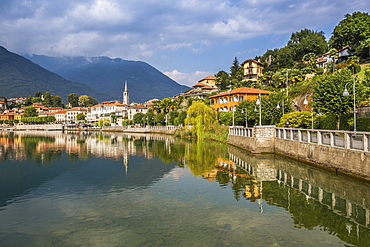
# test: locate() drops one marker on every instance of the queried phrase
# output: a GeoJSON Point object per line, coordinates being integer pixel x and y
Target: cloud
{"type": "Point", "coordinates": [141, 29]}
{"type": "Point", "coordinates": [188, 79]}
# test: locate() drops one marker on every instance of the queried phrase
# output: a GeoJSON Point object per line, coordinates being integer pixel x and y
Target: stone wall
{"type": "Point", "coordinates": [347, 160]}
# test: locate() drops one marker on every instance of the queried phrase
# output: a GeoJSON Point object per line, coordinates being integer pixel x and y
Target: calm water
{"type": "Point", "coordinates": [148, 190]}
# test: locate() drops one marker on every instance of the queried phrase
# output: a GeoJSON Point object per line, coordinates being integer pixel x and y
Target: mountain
{"type": "Point", "coordinates": [109, 75]}
{"type": "Point", "coordinates": [19, 77]}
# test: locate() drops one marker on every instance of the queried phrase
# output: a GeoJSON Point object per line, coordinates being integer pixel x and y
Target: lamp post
{"type": "Point", "coordinates": [282, 104]}
{"type": "Point", "coordinates": [258, 102]}
{"type": "Point", "coordinates": [346, 93]}
{"type": "Point", "coordinates": [246, 116]}
{"type": "Point", "coordinates": [287, 82]}
{"type": "Point", "coordinates": [305, 102]}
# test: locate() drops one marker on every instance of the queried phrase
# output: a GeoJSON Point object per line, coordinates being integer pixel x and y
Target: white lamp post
{"type": "Point", "coordinates": [305, 102]}
{"type": "Point", "coordinates": [258, 102]}
{"type": "Point", "coordinates": [346, 93]}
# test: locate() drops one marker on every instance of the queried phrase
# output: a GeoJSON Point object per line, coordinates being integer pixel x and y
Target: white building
{"type": "Point", "coordinates": [61, 116]}
{"type": "Point", "coordinates": [105, 110]}
{"type": "Point", "coordinates": [71, 114]}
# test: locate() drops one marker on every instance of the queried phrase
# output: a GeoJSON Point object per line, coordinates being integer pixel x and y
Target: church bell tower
{"type": "Point", "coordinates": [125, 99]}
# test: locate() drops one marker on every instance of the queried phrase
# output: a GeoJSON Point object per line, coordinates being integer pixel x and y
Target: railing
{"type": "Point", "coordinates": [241, 131]}
{"type": "Point", "coordinates": [333, 138]}
{"type": "Point", "coordinates": [168, 127]}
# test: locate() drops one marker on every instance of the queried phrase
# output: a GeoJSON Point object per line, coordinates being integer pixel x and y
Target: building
{"type": "Point", "coordinates": [61, 116]}
{"type": "Point", "coordinates": [133, 109]}
{"type": "Point", "coordinates": [344, 54]}
{"type": "Point", "coordinates": [71, 114]}
{"type": "Point", "coordinates": [252, 70]}
{"type": "Point", "coordinates": [227, 101]}
{"type": "Point", "coordinates": [105, 109]}
{"type": "Point", "coordinates": [204, 87]}
{"type": "Point", "coordinates": [126, 97]}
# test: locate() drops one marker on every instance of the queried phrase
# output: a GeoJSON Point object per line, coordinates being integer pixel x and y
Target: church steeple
{"type": "Point", "coordinates": [125, 99]}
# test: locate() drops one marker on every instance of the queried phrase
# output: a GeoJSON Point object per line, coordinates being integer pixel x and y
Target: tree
{"type": "Point", "coordinates": [87, 100]}
{"type": "Point", "coordinates": [365, 48]}
{"type": "Point", "coordinates": [38, 94]}
{"type": "Point", "coordinates": [172, 116]}
{"type": "Point", "coordinates": [236, 71]}
{"type": "Point", "coordinates": [47, 99]}
{"type": "Point", "coordinates": [80, 116]}
{"type": "Point", "coordinates": [57, 101]}
{"type": "Point", "coordinates": [352, 30]}
{"type": "Point", "coordinates": [29, 100]}
{"type": "Point", "coordinates": [201, 117]}
{"type": "Point", "coordinates": [139, 118]}
{"type": "Point", "coordinates": [30, 111]}
{"type": "Point", "coordinates": [222, 80]}
{"type": "Point", "coordinates": [149, 117]}
{"type": "Point", "coordinates": [306, 41]}
{"type": "Point", "coordinates": [73, 99]}
{"type": "Point", "coordinates": [328, 94]}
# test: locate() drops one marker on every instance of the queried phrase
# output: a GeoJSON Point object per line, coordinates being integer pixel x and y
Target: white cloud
{"type": "Point", "coordinates": [188, 79]}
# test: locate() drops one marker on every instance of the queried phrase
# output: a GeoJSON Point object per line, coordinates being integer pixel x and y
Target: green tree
{"type": "Point", "coordinates": [80, 116]}
{"type": "Point", "coordinates": [352, 30]}
{"type": "Point", "coordinates": [29, 100]}
{"type": "Point", "coordinates": [149, 117]}
{"type": "Point", "coordinates": [306, 41]}
{"type": "Point", "coordinates": [47, 99]}
{"type": "Point", "coordinates": [222, 80]}
{"type": "Point", "coordinates": [73, 99]}
{"type": "Point", "coordinates": [30, 111]}
{"type": "Point", "coordinates": [328, 94]}
{"type": "Point", "coordinates": [139, 118]}
{"type": "Point", "coordinates": [38, 94]}
{"type": "Point", "coordinates": [87, 100]}
{"type": "Point", "coordinates": [160, 119]}
{"type": "Point", "coordinates": [172, 116]}
{"type": "Point", "coordinates": [57, 101]}
{"type": "Point", "coordinates": [201, 117]}
{"type": "Point", "coordinates": [236, 71]}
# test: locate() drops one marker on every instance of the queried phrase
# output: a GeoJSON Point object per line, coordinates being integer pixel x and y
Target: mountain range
{"type": "Point", "coordinates": [19, 77]}
{"type": "Point", "coordinates": [100, 77]}
{"type": "Point", "coordinates": [108, 76]}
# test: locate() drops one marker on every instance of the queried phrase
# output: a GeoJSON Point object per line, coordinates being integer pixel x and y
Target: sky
{"type": "Point", "coordinates": [187, 40]}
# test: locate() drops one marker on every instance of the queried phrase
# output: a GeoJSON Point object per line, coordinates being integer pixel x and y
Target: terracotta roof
{"type": "Point", "coordinates": [199, 85]}
{"type": "Point", "coordinates": [208, 78]}
{"type": "Point", "coordinates": [77, 109]}
{"type": "Point", "coordinates": [242, 90]}
{"type": "Point", "coordinates": [250, 60]}
{"type": "Point", "coordinates": [61, 112]}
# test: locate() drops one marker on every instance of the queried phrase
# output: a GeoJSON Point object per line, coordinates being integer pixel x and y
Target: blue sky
{"type": "Point", "coordinates": [185, 39]}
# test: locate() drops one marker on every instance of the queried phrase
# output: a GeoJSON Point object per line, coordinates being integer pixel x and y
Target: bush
{"type": "Point", "coordinates": [363, 124]}
{"type": "Point", "coordinates": [301, 119]}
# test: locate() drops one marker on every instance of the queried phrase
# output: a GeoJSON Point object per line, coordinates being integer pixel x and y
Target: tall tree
{"type": "Point", "coordinates": [73, 99]}
{"type": "Point", "coordinates": [236, 71]}
{"type": "Point", "coordinates": [306, 41]}
{"type": "Point", "coordinates": [47, 99]}
{"type": "Point", "coordinates": [57, 101]}
{"type": "Point", "coordinates": [222, 80]}
{"type": "Point", "coordinates": [352, 30]}
{"type": "Point", "coordinates": [30, 111]}
{"type": "Point", "coordinates": [328, 94]}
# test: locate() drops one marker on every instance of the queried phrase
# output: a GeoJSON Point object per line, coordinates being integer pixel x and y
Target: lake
{"type": "Point", "coordinates": [111, 189]}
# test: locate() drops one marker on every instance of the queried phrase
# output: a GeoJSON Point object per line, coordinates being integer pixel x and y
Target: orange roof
{"type": "Point", "coordinates": [208, 78]}
{"type": "Point", "coordinates": [242, 90]}
{"type": "Point", "coordinates": [77, 109]}
{"type": "Point", "coordinates": [61, 112]}
{"type": "Point", "coordinates": [199, 85]}
{"type": "Point", "coordinates": [251, 60]}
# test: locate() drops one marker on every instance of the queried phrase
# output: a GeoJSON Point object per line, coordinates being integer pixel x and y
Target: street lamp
{"type": "Point", "coordinates": [287, 81]}
{"type": "Point", "coordinates": [258, 102]}
{"type": "Point", "coordinates": [346, 93]}
{"type": "Point", "coordinates": [246, 116]}
{"type": "Point", "coordinates": [305, 102]}
{"type": "Point", "coordinates": [282, 104]}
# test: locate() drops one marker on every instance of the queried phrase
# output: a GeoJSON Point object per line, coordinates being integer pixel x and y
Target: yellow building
{"type": "Point", "coordinates": [226, 101]}
{"type": "Point", "coordinates": [252, 70]}
{"type": "Point", "coordinates": [209, 81]}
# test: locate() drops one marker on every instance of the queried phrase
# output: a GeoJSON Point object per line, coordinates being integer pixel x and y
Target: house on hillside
{"type": "Point", "coordinates": [71, 114]}
{"type": "Point", "coordinates": [342, 56]}
{"type": "Point", "coordinates": [204, 87]}
{"type": "Point", "coordinates": [227, 101]}
{"type": "Point", "coordinates": [252, 69]}
{"type": "Point", "coordinates": [136, 108]}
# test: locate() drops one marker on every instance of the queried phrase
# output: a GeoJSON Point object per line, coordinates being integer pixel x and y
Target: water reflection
{"type": "Point", "coordinates": [112, 163]}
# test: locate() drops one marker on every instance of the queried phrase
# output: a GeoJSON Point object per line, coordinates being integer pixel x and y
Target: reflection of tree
{"type": "Point", "coordinates": [202, 156]}
{"type": "Point", "coordinates": [35, 152]}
